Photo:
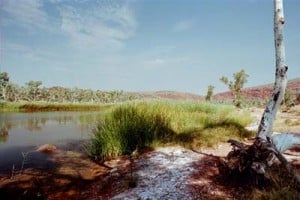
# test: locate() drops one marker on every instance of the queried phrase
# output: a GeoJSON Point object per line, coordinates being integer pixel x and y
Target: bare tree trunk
{"type": "Point", "coordinates": [267, 147]}
{"type": "Point", "coordinates": [266, 123]}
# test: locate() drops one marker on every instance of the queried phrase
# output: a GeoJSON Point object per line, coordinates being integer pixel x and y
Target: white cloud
{"type": "Point", "coordinates": [99, 27]}
{"type": "Point", "coordinates": [184, 25]}
{"type": "Point", "coordinates": [169, 62]}
{"type": "Point", "coordinates": [89, 24]}
{"type": "Point", "coordinates": [155, 62]}
{"type": "Point", "coordinates": [27, 14]}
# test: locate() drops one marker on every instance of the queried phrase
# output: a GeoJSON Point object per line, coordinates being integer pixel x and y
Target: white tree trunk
{"type": "Point", "coordinates": [266, 123]}
{"type": "Point", "coordinates": [284, 141]}
{"type": "Point", "coordinates": [267, 145]}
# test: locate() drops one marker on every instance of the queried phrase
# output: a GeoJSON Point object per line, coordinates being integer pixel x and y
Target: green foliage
{"type": "Point", "coordinates": [133, 127]}
{"type": "Point", "coordinates": [33, 89]}
{"type": "Point", "coordinates": [210, 91]}
{"type": "Point", "coordinates": [239, 79]}
{"type": "Point", "coordinates": [4, 81]}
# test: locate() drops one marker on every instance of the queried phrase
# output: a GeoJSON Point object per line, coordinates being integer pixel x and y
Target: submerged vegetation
{"type": "Point", "coordinates": [135, 126]}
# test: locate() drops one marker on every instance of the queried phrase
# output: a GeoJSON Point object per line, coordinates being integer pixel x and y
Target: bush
{"type": "Point", "coordinates": [130, 128]}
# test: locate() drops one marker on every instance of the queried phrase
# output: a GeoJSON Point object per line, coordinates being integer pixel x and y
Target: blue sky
{"type": "Point", "coordinates": [144, 45]}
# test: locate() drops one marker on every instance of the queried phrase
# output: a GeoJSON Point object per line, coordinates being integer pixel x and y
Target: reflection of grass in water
{"type": "Point", "coordinates": [24, 160]}
{"type": "Point", "coordinates": [37, 121]}
{"type": "Point", "coordinates": [3, 134]}
{"type": "Point", "coordinates": [86, 119]}
{"type": "Point", "coordinates": [134, 126]}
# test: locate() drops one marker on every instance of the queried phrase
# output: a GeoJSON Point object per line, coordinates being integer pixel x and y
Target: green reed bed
{"type": "Point", "coordinates": [45, 106]}
{"type": "Point", "coordinates": [135, 126]}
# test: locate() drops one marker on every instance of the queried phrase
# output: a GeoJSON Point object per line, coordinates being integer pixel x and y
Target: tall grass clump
{"type": "Point", "coordinates": [135, 126]}
{"type": "Point", "coordinates": [208, 124]}
{"type": "Point", "coordinates": [130, 128]}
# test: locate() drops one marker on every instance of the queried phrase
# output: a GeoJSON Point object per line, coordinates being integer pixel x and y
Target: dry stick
{"type": "Point", "coordinates": [24, 155]}
{"type": "Point", "coordinates": [236, 143]}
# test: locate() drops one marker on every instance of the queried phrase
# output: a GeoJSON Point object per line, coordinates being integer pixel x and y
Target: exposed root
{"type": "Point", "coordinates": [257, 159]}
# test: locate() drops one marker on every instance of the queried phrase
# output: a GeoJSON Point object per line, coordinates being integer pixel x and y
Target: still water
{"type": "Point", "coordinates": [24, 132]}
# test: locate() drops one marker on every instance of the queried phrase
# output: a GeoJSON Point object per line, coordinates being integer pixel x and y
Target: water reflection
{"type": "Point", "coordinates": [3, 134]}
{"type": "Point", "coordinates": [23, 132]}
{"type": "Point", "coordinates": [45, 125]}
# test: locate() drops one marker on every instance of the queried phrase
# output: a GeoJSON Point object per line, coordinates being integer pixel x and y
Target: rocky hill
{"type": "Point", "coordinates": [262, 92]}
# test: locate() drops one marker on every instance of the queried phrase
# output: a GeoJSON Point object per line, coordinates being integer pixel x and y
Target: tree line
{"type": "Point", "coordinates": [34, 91]}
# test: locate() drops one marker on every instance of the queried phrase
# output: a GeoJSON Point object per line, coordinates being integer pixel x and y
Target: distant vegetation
{"type": "Point", "coordinates": [135, 126]}
{"type": "Point", "coordinates": [236, 85]}
{"type": "Point", "coordinates": [32, 96]}
{"type": "Point", "coordinates": [210, 92]}
{"type": "Point", "coordinates": [33, 91]}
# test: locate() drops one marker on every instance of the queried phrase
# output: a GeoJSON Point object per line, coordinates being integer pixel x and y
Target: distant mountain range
{"type": "Point", "coordinates": [168, 95]}
{"type": "Point", "coordinates": [261, 92]}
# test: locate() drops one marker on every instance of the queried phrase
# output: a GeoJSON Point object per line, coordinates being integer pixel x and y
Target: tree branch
{"type": "Point", "coordinates": [285, 141]}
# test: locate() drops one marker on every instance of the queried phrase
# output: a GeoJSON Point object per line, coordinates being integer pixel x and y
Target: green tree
{"type": "Point", "coordinates": [210, 92]}
{"type": "Point", "coordinates": [4, 81]}
{"type": "Point", "coordinates": [236, 85]}
{"type": "Point", "coordinates": [13, 92]}
{"type": "Point", "coordinates": [33, 89]}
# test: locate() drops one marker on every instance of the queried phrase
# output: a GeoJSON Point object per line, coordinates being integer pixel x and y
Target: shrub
{"type": "Point", "coordinates": [130, 128]}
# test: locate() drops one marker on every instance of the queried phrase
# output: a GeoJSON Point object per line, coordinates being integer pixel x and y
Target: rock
{"type": "Point", "coordinates": [47, 148]}
{"type": "Point", "coordinates": [121, 163]}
